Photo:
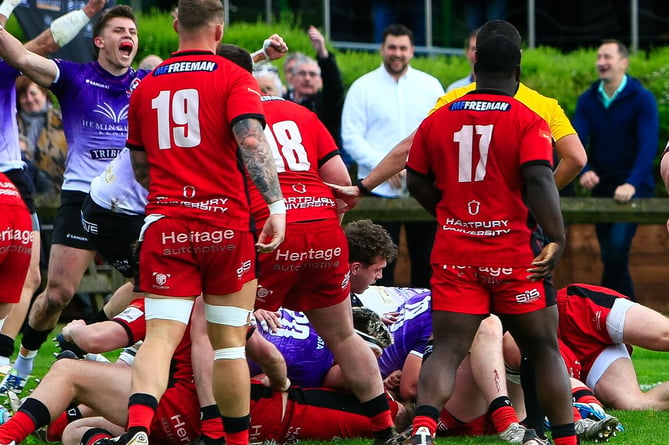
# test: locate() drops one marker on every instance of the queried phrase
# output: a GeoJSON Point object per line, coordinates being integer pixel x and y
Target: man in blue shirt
{"type": "Point", "coordinates": [618, 121]}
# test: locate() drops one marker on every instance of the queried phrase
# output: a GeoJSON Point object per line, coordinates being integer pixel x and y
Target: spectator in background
{"type": "Point", "coordinates": [269, 80]}
{"type": "Point", "coordinates": [318, 86]}
{"type": "Point", "coordinates": [381, 108]}
{"type": "Point", "coordinates": [470, 54]}
{"type": "Point", "coordinates": [42, 125]}
{"type": "Point", "coordinates": [617, 119]}
{"type": "Point", "coordinates": [38, 180]}
{"type": "Point", "coordinates": [149, 62]}
{"type": "Point", "coordinates": [288, 65]}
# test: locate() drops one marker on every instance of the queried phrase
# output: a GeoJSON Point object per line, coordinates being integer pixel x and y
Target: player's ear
{"type": "Point", "coordinates": [98, 41]}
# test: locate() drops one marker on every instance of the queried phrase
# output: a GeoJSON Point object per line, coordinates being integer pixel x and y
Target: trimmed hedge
{"type": "Point", "coordinates": [555, 74]}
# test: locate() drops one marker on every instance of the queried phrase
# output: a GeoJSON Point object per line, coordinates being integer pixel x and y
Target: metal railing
{"type": "Point", "coordinates": [429, 47]}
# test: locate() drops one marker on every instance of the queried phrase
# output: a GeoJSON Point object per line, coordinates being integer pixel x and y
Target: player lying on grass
{"type": "Point", "coordinates": [600, 326]}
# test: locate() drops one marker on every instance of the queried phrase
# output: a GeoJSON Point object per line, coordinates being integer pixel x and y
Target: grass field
{"type": "Point", "coordinates": [641, 427]}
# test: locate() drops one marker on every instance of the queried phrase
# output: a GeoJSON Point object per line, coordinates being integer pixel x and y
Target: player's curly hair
{"type": "Point", "coordinates": [368, 241]}
{"type": "Point", "coordinates": [369, 326]}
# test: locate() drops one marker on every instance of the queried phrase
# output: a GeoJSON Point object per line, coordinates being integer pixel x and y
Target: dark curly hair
{"type": "Point", "coordinates": [368, 241]}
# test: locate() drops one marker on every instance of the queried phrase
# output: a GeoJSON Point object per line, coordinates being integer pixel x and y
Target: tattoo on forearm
{"type": "Point", "coordinates": [257, 158]}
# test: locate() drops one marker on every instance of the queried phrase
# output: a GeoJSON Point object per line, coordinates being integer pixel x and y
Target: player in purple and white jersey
{"type": "Point", "coordinates": [411, 331]}
{"type": "Point", "coordinates": [61, 31]}
{"type": "Point", "coordinates": [94, 99]}
{"type": "Point", "coordinates": [307, 358]}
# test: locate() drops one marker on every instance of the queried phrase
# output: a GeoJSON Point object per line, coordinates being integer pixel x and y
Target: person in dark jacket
{"type": "Point", "coordinates": [617, 119]}
{"type": "Point", "coordinates": [317, 85]}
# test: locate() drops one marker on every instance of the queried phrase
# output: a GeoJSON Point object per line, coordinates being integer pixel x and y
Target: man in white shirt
{"type": "Point", "coordinates": [381, 108]}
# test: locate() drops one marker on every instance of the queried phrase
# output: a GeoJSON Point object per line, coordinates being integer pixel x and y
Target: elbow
{"type": "Point", "coordinates": [579, 160]}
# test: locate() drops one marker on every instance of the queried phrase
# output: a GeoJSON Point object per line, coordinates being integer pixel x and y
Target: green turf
{"type": "Point", "coordinates": [641, 427]}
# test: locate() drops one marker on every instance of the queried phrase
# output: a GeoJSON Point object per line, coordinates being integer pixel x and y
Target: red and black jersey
{"type": "Point", "coordinates": [474, 149]}
{"type": "Point", "coordinates": [182, 116]}
{"type": "Point", "coordinates": [300, 144]}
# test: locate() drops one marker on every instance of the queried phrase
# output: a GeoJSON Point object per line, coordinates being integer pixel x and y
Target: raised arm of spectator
{"type": "Point", "coordinates": [333, 86]}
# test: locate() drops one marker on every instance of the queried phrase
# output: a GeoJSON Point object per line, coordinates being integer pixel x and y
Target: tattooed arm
{"type": "Point", "coordinates": [257, 157]}
{"type": "Point", "coordinates": [140, 167]}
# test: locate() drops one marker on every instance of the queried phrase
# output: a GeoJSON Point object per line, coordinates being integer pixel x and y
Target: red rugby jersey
{"type": "Point", "coordinates": [300, 144]}
{"type": "Point", "coordinates": [182, 116]}
{"type": "Point", "coordinates": [474, 149]}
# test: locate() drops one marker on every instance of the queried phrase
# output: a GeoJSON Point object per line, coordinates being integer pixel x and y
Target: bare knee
{"type": "Point", "coordinates": [33, 280]}
{"type": "Point", "coordinates": [490, 330]}
{"type": "Point", "coordinates": [52, 301]}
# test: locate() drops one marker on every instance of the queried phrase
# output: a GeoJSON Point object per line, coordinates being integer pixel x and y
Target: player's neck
{"type": "Point", "coordinates": [111, 68]}
{"type": "Point", "coordinates": [197, 44]}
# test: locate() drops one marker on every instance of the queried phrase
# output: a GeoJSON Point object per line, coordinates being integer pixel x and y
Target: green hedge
{"type": "Point", "coordinates": [555, 74]}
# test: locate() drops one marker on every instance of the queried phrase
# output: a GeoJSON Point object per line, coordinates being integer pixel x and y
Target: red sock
{"type": "Point", "coordinates": [502, 417]}
{"type": "Point", "coordinates": [424, 421]}
{"type": "Point", "coordinates": [381, 421]}
{"type": "Point", "coordinates": [140, 416]}
{"type": "Point", "coordinates": [17, 428]}
{"type": "Point", "coordinates": [213, 428]}
{"type": "Point", "coordinates": [583, 394]}
{"type": "Point", "coordinates": [569, 440]}
{"type": "Point", "coordinates": [54, 431]}
{"type": "Point", "coordinates": [239, 438]}
{"type": "Point", "coordinates": [97, 437]}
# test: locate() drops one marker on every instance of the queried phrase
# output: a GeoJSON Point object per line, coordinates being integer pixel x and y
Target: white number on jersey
{"type": "Point", "coordinates": [465, 139]}
{"type": "Point", "coordinates": [285, 140]}
{"type": "Point", "coordinates": [178, 118]}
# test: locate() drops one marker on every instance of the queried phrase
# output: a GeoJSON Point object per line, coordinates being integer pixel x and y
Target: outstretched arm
{"type": "Point", "coordinates": [392, 164]}
{"type": "Point", "coordinates": [97, 337]}
{"type": "Point", "coordinates": [29, 58]}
